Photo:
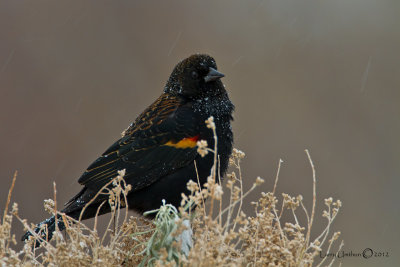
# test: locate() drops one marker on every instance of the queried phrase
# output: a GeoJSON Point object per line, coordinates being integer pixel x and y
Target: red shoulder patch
{"type": "Point", "coordinates": [189, 142]}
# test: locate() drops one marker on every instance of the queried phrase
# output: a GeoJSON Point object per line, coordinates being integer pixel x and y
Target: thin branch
{"type": "Point", "coordinates": [9, 195]}
{"type": "Point", "coordinates": [314, 198]}
{"type": "Point", "coordinates": [277, 176]}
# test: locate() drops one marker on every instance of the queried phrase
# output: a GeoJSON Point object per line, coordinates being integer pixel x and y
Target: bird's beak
{"type": "Point", "coordinates": [213, 75]}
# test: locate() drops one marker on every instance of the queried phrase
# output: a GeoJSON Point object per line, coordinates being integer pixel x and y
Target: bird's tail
{"type": "Point", "coordinates": [45, 229]}
{"type": "Point", "coordinates": [73, 209]}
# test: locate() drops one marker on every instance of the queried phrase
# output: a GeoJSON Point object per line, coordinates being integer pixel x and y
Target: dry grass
{"type": "Point", "coordinates": [222, 234]}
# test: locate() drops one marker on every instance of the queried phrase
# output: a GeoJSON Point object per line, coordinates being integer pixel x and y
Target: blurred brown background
{"type": "Point", "coordinates": [322, 75]}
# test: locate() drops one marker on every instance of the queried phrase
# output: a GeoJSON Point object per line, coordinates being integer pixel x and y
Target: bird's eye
{"type": "Point", "coordinates": [195, 75]}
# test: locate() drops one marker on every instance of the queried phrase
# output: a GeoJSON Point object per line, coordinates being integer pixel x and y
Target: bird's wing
{"type": "Point", "coordinates": [161, 140]}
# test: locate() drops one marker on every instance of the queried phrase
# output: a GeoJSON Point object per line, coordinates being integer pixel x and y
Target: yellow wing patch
{"type": "Point", "coordinates": [189, 142]}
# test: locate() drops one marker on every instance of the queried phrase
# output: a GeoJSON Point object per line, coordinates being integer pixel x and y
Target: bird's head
{"type": "Point", "coordinates": [194, 77]}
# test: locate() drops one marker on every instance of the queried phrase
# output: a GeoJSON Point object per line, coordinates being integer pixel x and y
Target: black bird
{"type": "Point", "coordinates": [159, 149]}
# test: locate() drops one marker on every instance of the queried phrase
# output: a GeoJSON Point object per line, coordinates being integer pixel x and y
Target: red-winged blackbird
{"type": "Point", "coordinates": [158, 150]}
